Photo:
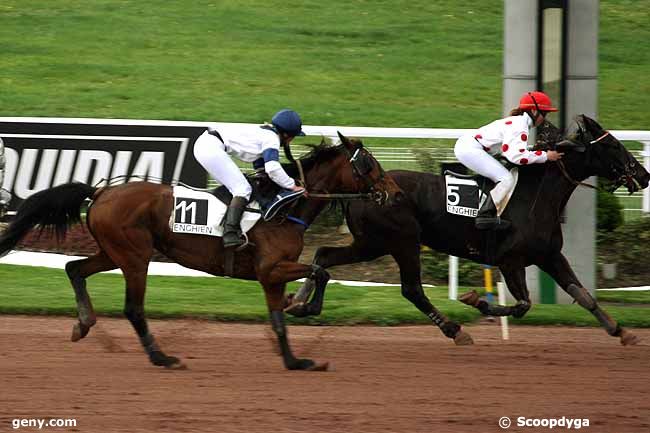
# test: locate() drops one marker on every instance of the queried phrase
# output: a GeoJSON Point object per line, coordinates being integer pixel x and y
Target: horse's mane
{"type": "Point", "coordinates": [547, 136]}
{"type": "Point", "coordinates": [318, 153]}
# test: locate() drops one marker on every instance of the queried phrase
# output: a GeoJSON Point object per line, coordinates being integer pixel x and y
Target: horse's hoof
{"type": "Point", "coordinates": [323, 366]}
{"type": "Point", "coordinates": [297, 310]}
{"type": "Point", "coordinates": [629, 339]}
{"type": "Point", "coordinates": [176, 365]}
{"type": "Point", "coordinates": [307, 365]}
{"type": "Point", "coordinates": [161, 360]}
{"type": "Point", "coordinates": [79, 331]}
{"type": "Point", "coordinates": [470, 298]}
{"type": "Point", "coordinates": [463, 339]}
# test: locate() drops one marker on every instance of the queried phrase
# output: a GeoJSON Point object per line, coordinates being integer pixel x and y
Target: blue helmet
{"type": "Point", "coordinates": [288, 121]}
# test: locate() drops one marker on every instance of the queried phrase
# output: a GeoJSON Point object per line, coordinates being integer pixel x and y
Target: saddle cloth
{"type": "Point", "coordinates": [201, 213]}
{"type": "Point", "coordinates": [466, 194]}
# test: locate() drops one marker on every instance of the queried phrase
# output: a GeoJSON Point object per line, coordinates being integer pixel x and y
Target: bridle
{"type": "Point", "coordinates": [360, 173]}
{"type": "Point", "coordinates": [624, 178]}
{"type": "Point", "coordinates": [355, 162]}
{"type": "Point", "coordinates": [627, 177]}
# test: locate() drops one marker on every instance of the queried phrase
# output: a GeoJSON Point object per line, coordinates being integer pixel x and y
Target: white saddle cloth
{"type": "Point", "coordinates": [201, 213]}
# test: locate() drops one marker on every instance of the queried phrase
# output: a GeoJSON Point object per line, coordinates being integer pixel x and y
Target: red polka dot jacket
{"type": "Point", "coordinates": [509, 137]}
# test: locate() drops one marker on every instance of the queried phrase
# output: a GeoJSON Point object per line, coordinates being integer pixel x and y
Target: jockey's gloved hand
{"type": "Point", "coordinates": [5, 197]}
{"type": "Point", "coordinates": [299, 188]}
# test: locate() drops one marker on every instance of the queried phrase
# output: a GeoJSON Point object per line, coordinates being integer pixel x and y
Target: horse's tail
{"type": "Point", "coordinates": [54, 209]}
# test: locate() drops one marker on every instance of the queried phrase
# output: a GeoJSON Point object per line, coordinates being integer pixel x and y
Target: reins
{"type": "Point", "coordinates": [343, 196]}
{"type": "Point", "coordinates": [566, 174]}
{"type": "Point", "coordinates": [539, 190]}
{"type": "Point", "coordinates": [327, 196]}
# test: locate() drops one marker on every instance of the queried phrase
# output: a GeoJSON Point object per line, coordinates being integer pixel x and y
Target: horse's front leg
{"type": "Point", "coordinates": [559, 269]}
{"type": "Point", "coordinates": [274, 281]}
{"type": "Point", "coordinates": [515, 277]}
{"type": "Point", "coordinates": [324, 258]}
{"type": "Point", "coordinates": [318, 281]}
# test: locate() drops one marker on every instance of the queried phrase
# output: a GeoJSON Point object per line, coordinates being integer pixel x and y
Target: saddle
{"type": "Point", "coordinates": [484, 184]}
{"type": "Point", "coordinates": [273, 199]}
{"type": "Point", "coordinates": [466, 194]}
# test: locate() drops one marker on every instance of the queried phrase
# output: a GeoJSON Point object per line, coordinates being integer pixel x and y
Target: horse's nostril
{"type": "Point", "coordinates": [399, 197]}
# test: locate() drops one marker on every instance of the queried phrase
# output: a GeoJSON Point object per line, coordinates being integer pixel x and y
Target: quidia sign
{"type": "Point", "coordinates": [43, 152]}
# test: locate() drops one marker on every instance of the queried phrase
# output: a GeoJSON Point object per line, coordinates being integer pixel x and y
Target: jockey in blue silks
{"type": "Point", "coordinates": [259, 145]}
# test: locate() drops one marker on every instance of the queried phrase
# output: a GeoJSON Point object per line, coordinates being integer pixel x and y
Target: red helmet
{"type": "Point", "coordinates": [537, 100]}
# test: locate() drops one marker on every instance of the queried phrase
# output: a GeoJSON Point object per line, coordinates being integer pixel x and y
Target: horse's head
{"type": "Point", "coordinates": [367, 175]}
{"type": "Point", "coordinates": [349, 168]}
{"type": "Point", "coordinates": [605, 156]}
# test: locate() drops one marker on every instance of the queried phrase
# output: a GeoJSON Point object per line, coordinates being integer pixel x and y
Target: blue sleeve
{"type": "Point", "coordinates": [271, 155]}
{"type": "Point", "coordinates": [258, 163]}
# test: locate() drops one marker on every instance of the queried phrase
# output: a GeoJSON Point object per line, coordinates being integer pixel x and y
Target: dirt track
{"type": "Point", "coordinates": [402, 379]}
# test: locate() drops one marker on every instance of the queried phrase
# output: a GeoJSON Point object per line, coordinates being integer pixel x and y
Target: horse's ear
{"type": "Point", "coordinates": [583, 122]}
{"type": "Point", "coordinates": [343, 138]}
{"type": "Point", "coordinates": [591, 124]}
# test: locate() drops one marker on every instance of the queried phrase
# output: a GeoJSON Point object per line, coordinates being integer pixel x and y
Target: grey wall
{"type": "Point", "coordinates": [520, 75]}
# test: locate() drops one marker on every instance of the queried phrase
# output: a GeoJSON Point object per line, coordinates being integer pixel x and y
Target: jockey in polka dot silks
{"type": "Point", "coordinates": [507, 137]}
{"type": "Point", "coordinates": [259, 145]}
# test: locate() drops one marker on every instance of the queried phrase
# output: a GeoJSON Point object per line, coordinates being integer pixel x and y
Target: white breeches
{"type": "Point", "coordinates": [472, 155]}
{"type": "Point", "coordinates": [210, 152]}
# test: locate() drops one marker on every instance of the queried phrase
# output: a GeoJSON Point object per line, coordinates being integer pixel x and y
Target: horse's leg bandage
{"type": "Point", "coordinates": [585, 300]}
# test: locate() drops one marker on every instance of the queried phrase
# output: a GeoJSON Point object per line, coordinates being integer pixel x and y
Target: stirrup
{"type": "Point", "coordinates": [245, 244]}
{"type": "Point", "coordinates": [241, 244]}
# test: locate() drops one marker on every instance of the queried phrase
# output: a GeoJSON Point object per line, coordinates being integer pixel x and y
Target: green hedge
{"type": "Point", "coordinates": [609, 214]}
{"type": "Point", "coordinates": [628, 247]}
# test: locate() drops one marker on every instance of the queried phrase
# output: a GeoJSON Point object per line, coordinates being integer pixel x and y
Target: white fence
{"type": "Point", "coordinates": [390, 157]}
{"type": "Point", "coordinates": [400, 157]}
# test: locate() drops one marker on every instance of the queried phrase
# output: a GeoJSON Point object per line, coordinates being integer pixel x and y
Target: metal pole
{"type": "Point", "coordinates": [501, 293]}
{"type": "Point", "coordinates": [646, 192]}
{"type": "Point", "coordinates": [453, 278]}
{"type": "Point", "coordinates": [487, 277]}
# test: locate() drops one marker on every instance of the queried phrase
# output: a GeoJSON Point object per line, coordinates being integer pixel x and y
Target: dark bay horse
{"type": "Point", "coordinates": [130, 220]}
{"type": "Point", "coordinates": [534, 238]}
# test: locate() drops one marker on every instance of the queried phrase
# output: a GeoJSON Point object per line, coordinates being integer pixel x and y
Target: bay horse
{"type": "Point", "coordinates": [130, 220]}
{"type": "Point", "coordinates": [535, 237]}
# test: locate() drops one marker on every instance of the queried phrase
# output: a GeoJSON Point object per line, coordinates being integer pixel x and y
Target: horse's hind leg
{"type": "Point", "coordinates": [408, 260]}
{"type": "Point", "coordinates": [134, 311]}
{"type": "Point", "coordinates": [515, 277]}
{"type": "Point", "coordinates": [131, 249]}
{"type": "Point", "coordinates": [78, 271]}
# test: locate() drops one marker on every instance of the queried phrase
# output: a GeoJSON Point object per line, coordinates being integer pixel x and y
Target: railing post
{"type": "Point", "coordinates": [453, 278]}
{"type": "Point", "coordinates": [646, 192]}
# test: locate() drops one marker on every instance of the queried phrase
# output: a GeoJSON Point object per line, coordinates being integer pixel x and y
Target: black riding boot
{"type": "Point", "coordinates": [232, 235]}
{"type": "Point", "coordinates": [487, 218]}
